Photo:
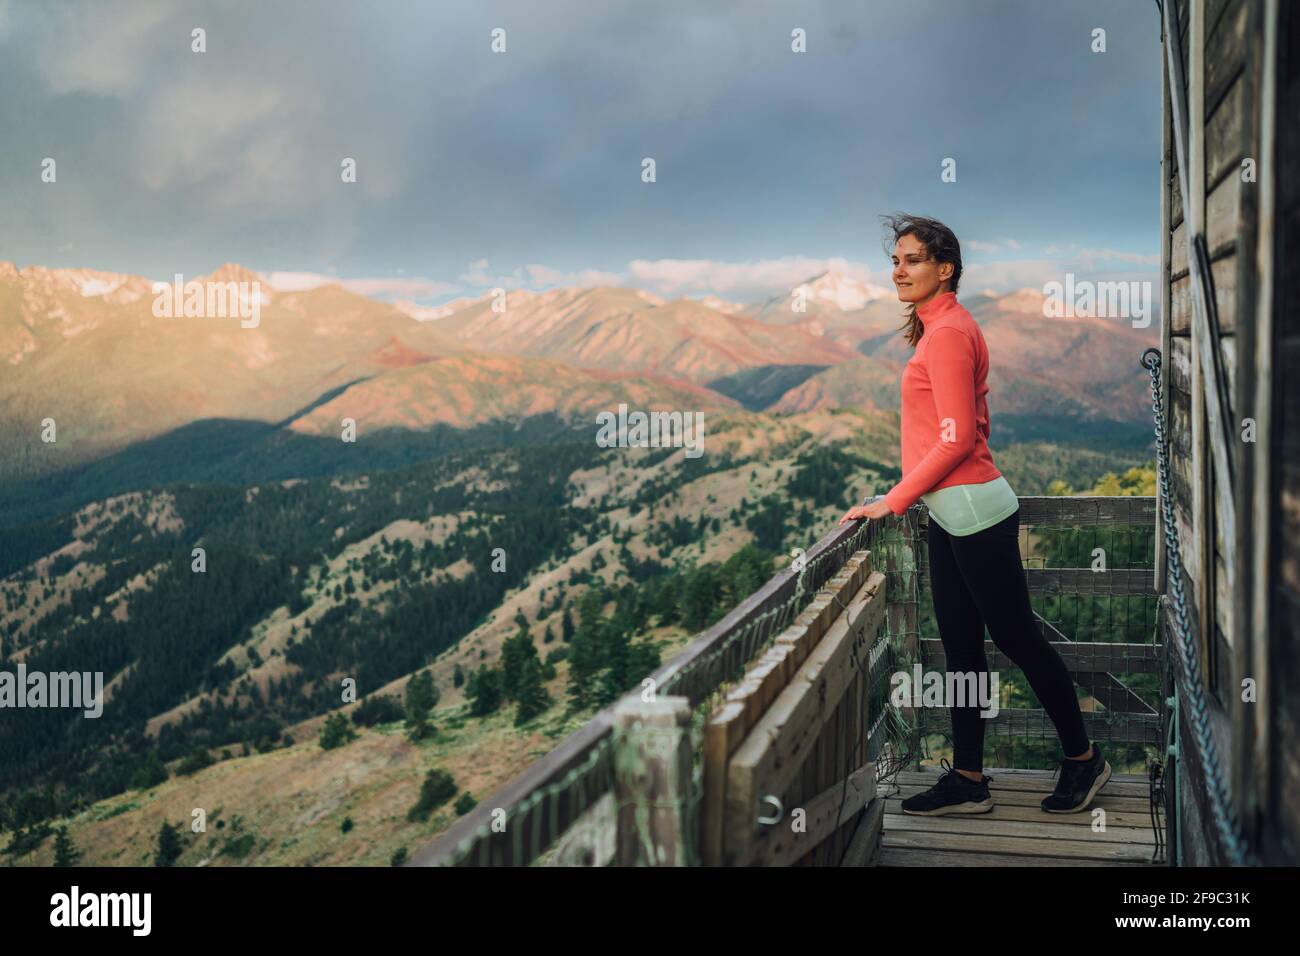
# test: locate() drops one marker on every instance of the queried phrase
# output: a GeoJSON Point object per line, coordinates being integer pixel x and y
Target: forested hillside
{"type": "Point", "coordinates": [523, 586]}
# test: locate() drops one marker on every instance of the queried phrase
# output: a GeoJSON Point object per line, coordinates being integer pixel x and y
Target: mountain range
{"type": "Point", "coordinates": [84, 348]}
{"type": "Point", "coordinates": [373, 559]}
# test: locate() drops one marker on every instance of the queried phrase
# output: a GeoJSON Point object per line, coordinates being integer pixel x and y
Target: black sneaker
{"type": "Point", "coordinates": [1079, 783]}
{"type": "Point", "coordinates": [952, 794]}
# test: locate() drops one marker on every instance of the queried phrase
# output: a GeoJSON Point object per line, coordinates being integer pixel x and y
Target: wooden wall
{"type": "Point", "coordinates": [1222, 98]}
{"type": "Point", "coordinates": [1243, 93]}
{"type": "Point", "coordinates": [1284, 479]}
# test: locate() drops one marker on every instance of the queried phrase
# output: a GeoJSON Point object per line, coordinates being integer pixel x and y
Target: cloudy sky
{"type": "Point", "coordinates": [524, 168]}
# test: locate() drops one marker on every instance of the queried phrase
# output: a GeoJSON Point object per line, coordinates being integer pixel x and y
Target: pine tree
{"type": "Point", "coordinates": [586, 654]}
{"type": "Point", "coordinates": [533, 697]}
{"type": "Point", "coordinates": [437, 789]}
{"type": "Point", "coordinates": [700, 598]}
{"type": "Point", "coordinates": [642, 659]}
{"type": "Point", "coordinates": [566, 627]}
{"type": "Point", "coordinates": [336, 732]}
{"type": "Point", "coordinates": [150, 773]}
{"type": "Point", "coordinates": [484, 691]}
{"type": "Point", "coordinates": [65, 853]}
{"type": "Point", "coordinates": [615, 679]}
{"type": "Point", "coordinates": [421, 698]}
{"type": "Point", "coordinates": [514, 652]}
{"type": "Point", "coordinates": [169, 845]}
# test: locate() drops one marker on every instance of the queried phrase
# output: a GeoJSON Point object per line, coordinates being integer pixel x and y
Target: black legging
{"type": "Point", "coordinates": [977, 580]}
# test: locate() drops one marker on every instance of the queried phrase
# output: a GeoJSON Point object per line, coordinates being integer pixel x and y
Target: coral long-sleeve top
{"type": "Point", "coordinates": [945, 411]}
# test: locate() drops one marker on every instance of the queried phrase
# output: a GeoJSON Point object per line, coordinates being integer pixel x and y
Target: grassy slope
{"type": "Point", "coordinates": [293, 800]}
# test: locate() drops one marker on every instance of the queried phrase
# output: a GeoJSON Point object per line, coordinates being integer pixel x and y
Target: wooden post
{"type": "Point", "coordinates": [902, 590]}
{"type": "Point", "coordinates": [652, 779]}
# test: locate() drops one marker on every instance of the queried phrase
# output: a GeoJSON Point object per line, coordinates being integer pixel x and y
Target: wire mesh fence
{"type": "Point", "coordinates": [1089, 564]}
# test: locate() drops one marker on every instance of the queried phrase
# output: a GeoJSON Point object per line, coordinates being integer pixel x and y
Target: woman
{"type": "Point", "coordinates": [976, 576]}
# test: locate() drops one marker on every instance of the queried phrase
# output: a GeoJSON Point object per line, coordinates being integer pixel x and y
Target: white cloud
{"type": "Point", "coordinates": [977, 245]}
{"type": "Point", "coordinates": [102, 49]}
{"type": "Point", "coordinates": [1007, 276]}
{"type": "Point", "coordinates": [1091, 256]}
{"type": "Point", "coordinates": [744, 282]}
{"type": "Point", "coordinates": [540, 275]}
{"type": "Point", "coordinates": [476, 273]}
{"type": "Point", "coordinates": [297, 281]}
{"type": "Point", "coordinates": [408, 287]}
{"type": "Point", "coordinates": [741, 280]}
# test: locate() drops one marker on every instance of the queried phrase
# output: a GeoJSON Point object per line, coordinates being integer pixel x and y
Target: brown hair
{"type": "Point", "coordinates": [940, 244]}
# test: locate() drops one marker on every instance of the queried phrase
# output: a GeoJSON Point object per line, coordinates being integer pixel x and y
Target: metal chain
{"type": "Point", "coordinates": [1189, 660]}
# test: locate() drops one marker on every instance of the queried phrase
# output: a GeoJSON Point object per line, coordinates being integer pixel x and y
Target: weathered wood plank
{"type": "Point", "coordinates": [652, 779]}
{"type": "Point", "coordinates": [1213, 11]}
{"type": "Point", "coordinates": [864, 848]}
{"type": "Point", "coordinates": [987, 824]}
{"type": "Point", "coordinates": [779, 844]}
{"type": "Point", "coordinates": [590, 840]}
{"type": "Point", "coordinates": [903, 557]}
{"type": "Point", "coordinates": [1178, 249]}
{"type": "Point", "coordinates": [1225, 53]}
{"type": "Point", "coordinates": [780, 743]}
{"type": "Point", "coordinates": [908, 856]}
{"type": "Point", "coordinates": [1224, 272]}
{"type": "Point", "coordinates": [1071, 849]}
{"type": "Point", "coordinates": [1180, 314]}
{"type": "Point", "coordinates": [722, 735]}
{"type": "Point", "coordinates": [1179, 370]}
{"type": "Point", "coordinates": [1224, 135]}
{"type": "Point", "coordinates": [1222, 210]}
{"type": "Point", "coordinates": [1064, 823]}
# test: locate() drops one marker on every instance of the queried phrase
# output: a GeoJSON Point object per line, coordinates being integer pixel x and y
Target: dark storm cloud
{"type": "Point", "coordinates": [169, 160]}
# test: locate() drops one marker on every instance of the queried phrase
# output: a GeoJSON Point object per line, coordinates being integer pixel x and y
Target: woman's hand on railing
{"type": "Point", "coordinates": [877, 509]}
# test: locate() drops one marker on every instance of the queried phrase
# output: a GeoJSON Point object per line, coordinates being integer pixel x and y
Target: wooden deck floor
{"type": "Point", "coordinates": [1018, 832]}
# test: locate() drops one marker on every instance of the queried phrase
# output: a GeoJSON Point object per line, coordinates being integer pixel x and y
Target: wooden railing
{"type": "Point", "coordinates": [634, 784]}
{"type": "Point", "coordinates": [520, 821]}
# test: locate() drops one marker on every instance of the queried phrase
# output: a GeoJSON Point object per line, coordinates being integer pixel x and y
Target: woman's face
{"type": "Point", "coordinates": [918, 277]}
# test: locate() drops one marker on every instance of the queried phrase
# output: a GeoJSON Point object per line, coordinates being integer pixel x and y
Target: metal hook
{"type": "Point", "coordinates": [780, 810]}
